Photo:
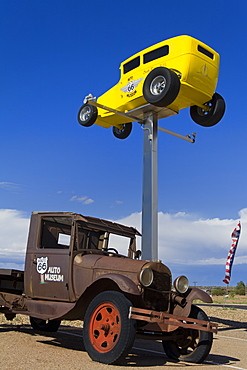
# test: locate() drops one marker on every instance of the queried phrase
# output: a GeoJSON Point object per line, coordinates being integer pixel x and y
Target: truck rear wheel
{"type": "Point", "coordinates": [108, 332]}
{"type": "Point", "coordinates": [44, 325]}
{"type": "Point", "coordinates": [123, 132]}
{"type": "Point", "coordinates": [211, 117]}
{"type": "Point", "coordinates": [192, 345]}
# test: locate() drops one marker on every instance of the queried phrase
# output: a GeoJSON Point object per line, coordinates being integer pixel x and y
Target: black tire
{"type": "Point", "coordinates": [44, 325]}
{"type": "Point", "coordinates": [194, 345]}
{"type": "Point", "coordinates": [108, 333]}
{"type": "Point", "coordinates": [87, 115]}
{"type": "Point", "coordinates": [161, 87]}
{"type": "Point", "coordinates": [123, 132]}
{"type": "Point", "coordinates": [213, 116]}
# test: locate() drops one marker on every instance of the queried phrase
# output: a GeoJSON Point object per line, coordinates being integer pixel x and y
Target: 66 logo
{"type": "Point", "coordinates": [130, 87]}
{"type": "Point", "coordinates": [42, 265]}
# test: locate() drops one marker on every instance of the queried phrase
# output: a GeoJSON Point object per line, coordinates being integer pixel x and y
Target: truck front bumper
{"type": "Point", "coordinates": [165, 322]}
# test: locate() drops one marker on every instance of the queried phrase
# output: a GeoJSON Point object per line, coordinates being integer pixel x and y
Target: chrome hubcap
{"type": "Point", "coordinates": [85, 113]}
{"type": "Point", "coordinates": [158, 85]}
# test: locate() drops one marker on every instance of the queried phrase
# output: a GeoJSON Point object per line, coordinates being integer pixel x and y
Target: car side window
{"type": "Point", "coordinates": [55, 235]}
{"type": "Point", "coordinates": [155, 54]}
{"type": "Point", "coordinates": [205, 52]}
{"type": "Point", "coordinates": [132, 64]}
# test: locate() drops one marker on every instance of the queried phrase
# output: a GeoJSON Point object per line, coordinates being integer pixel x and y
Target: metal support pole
{"type": "Point", "coordinates": [150, 171]}
{"type": "Point", "coordinates": [150, 189]}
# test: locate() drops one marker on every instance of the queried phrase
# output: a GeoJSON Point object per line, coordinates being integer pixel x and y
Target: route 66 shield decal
{"type": "Point", "coordinates": [42, 265]}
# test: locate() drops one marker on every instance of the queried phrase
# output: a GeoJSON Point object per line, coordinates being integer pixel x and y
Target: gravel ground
{"type": "Point", "coordinates": [21, 349]}
{"type": "Point", "coordinates": [227, 317]}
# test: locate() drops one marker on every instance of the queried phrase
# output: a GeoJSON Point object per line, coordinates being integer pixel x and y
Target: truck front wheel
{"type": "Point", "coordinates": [192, 345]}
{"type": "Point", "coordinates": [161, 87]}
{"type": "Point", "coordinates": [87, 115]}
{"type": "Point", "coordinates": [44, 325]}
{"type": "Point", "coordinates": [108, 333]}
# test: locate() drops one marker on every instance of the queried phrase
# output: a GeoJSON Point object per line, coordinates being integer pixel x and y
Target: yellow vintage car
{"type": "Point", "coordinates": [177, 73]}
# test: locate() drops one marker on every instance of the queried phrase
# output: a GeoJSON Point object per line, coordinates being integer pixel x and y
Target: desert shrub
{"type": "Point", "coordinates": [232, 294]}
{"type": "Point", "coordinates": [240, 288]}
{"type": "Point", "coordinates": [218, 291]}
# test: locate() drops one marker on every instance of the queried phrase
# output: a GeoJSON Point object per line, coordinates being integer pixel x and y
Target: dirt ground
{"type": "Point", "coordinates": [231, 317]}
{"type": "Point", "coordinates": [22, 348]}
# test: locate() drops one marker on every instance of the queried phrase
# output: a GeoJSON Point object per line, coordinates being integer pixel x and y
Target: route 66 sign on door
{"type": "Point", "coordinates": [42, 264]}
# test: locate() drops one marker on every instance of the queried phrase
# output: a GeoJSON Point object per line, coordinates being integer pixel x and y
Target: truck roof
{"type": "Point", "coordinates": [88, 222]}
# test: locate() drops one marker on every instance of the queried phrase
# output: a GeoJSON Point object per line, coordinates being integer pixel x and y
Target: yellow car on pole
{"type": "Point", "coordinates": [174, 74]}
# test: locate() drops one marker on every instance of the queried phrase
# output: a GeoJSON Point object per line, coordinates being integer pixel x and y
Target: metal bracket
{"type": "Point", "coordinates": [90, 99]}
{"type": "Point", "coordinates": [190, 137]}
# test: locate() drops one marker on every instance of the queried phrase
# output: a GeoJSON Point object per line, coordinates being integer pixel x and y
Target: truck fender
{"type": "Point", "coordinates": [191, 295]}
{"type": "Point", "coordinates": [195, 293]}
{"type": "Point", "coordinates": [123, 282]}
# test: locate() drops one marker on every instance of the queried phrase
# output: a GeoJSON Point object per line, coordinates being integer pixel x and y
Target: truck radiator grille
{"type": "Point", "coordinates": [157, 296]}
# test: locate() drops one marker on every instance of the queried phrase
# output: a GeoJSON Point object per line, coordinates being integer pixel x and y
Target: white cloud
{"type": "Point", "coordinates": [8, 185]}
{"type": "Point", "coordinates": [13, 238]}
{"type": "Point", "coordinates": [187, 239]}
{"type": "Point", "coordinates": [183, 238]}
{"type": "Point", "coordinates": [84, 200]}
{"type": "Point", "coordinates": [88, 201]}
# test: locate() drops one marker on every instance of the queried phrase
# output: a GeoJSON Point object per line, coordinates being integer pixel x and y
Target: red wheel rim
{"type": "Point", "coordinates": [105, 327]}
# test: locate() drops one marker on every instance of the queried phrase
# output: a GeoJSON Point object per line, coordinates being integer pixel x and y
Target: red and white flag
{"type": "Point", "coordinates": [231, 253]}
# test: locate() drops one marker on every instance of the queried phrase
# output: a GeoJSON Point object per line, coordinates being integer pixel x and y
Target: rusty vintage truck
{"type": "Point", "coordinates": [73, 273]}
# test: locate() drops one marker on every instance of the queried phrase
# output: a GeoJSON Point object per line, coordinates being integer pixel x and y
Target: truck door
{"type": "Point", "coordinates": [50, 262]}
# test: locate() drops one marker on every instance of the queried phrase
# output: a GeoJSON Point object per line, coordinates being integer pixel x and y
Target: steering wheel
{"type": "Point", "coordinates": [112, 249]}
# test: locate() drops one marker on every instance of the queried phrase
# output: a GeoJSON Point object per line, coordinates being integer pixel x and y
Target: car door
{"type": "Point", "coordinates": [50, 262]}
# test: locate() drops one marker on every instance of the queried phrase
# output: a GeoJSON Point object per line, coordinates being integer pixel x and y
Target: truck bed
{"type": "Point", "coordinates": [11, 281]}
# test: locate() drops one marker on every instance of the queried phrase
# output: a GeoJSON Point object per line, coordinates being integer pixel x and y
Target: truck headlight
{"type": "Point", "coordinates": [181, 284]}
{"type": "Point", "coordinates": [146, 277]}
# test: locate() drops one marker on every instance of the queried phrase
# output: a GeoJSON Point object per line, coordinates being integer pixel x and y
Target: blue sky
{"type": "Point", "coordinates": [53, 53]}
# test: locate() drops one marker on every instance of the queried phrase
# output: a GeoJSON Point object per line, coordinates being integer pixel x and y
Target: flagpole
{"type": "Point", "coordinates": [226, 295]}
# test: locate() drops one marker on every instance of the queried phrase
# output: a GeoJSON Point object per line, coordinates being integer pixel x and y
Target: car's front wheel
{"type": "Point", "coordinates": [161, 87]}
{"type": "Point", "coordinates": [215, 109]}
{"type": "Point", "coordinates": [123, 132]}
{"type": "Point", "coordinates": [108, 333]}
{"type": "Point", "coordinates": [87, 115]}
{"type": "Point", "coordinates": [193, 345]}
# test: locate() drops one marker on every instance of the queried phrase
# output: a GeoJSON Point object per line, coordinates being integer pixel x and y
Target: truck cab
{"type": "Point", "coordinates": [73, 273]}
{"type": "Point", "coordinates": [56, 246]}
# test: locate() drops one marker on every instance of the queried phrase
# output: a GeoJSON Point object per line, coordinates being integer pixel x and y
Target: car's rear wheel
{"type": "Point", "coordinates": [123, 132]}
{"type": "Point", "coordinates": [87, 115]}
{"type": "Point", "coordinates": [193, 345]}
{"type": "Point", "coordinates": [210, 116]}
{"type": "Point", "coordinates": [161, 87]}
{"type": "Point", "coordinates": [44, 325]}
{"type": "Point", "coordinates": [108, 333]}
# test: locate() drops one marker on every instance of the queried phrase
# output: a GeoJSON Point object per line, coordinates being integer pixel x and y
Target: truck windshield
{"type": "Point", "coordinates": [88, 239]}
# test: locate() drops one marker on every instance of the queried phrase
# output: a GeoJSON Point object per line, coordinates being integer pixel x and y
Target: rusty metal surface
{"type": "Point", "coordinates": [60, 279]}
{"type": "Point", "coordinates": [168, 322]}
{"type": "Point", "coordinates": [11, 281]}
{"type": "Point", "coordinates": [91, 222]}
{"type": "Point", "coordinates": [124, 283]}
